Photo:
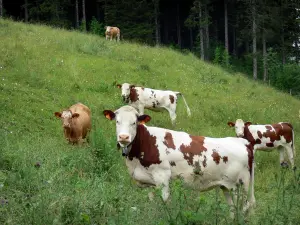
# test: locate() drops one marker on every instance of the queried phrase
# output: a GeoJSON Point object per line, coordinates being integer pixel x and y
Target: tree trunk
{"type": "Point", "coordinates": [226, 30]}
{"type": "Point", "coordinates": [282, 47]}
{"type": "Point", "coordinates": [166, 31]}
{"type": "Point", "coordinates": [202, 52]}
{"type": "Point", "coordinates": [234, 52]}
{"type": "Point", "coordinates": [206, 32]}
{"type": "Point", "coordinates": [76, 15]}
{"type": "Point", "coordinates": [157, 22]}
{"type": "Point", "coordinates": [178, 28]}
{"type": "Point", "coordinates": [1, 9]}
{"type": "Point", "coordinates": [254, 40]}
{"type": "Point", "coordinates": [25, 10]}
{"type": "Point", "coordinates": [191, 39]}
{"type": "Point", "coordinates": [83, 15]}
{"type": "Point", "coordinates": [265, 55]}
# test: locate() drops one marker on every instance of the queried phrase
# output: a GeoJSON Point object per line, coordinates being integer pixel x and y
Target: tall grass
{"type": "Point", "coordinates": [43, 180]}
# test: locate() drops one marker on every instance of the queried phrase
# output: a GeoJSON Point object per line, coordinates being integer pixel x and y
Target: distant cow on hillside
{"type": "Point", "coordinates": [268, 136]}
{"type": "Point", "coordinates": [156, 100]}
{"type": "Point", "coordinates": [76, 122]}
{"type": "Point", "coordinates": [112, 33]}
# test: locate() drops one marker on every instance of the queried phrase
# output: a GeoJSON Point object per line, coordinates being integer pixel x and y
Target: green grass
{"type": "Point", "coordinates": [43, 70]}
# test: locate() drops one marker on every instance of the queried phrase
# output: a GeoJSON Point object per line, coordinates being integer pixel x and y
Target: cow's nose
{"type": "Point", "coordinates": [124, 137]}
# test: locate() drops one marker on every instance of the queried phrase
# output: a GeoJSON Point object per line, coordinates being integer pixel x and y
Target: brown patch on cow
{"type": "Point", "coordinates": [257, 141]}
{"type": "Point", "coordinates": [287, 132]}
{"type": "Point", "coordinates": [169, 142]}
{"type": "Point", "coordinates": [133, 96]}
{"type": "Point", "coordinates": [204, 162]}
{"type": "Point", "coordinates": [259, 134]}
{"type": "Point", "coordinates": [142, 88]}
{"type": "Point", "coordinates": [147, 143]}
{"type": "Point", "coordinates": [225, 159]}
{"type": "Point", "coordinates": [216, 156]}
{"type": "Point", "coordinates": [171, 99]}
{"type": "Point", "coordinates": [270, 145]}
{"type": "Point", "coordinates": [172, 163]}
{"type": "Point", "coordinates": [195, 148]}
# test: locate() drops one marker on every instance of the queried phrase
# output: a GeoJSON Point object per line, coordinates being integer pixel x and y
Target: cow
{"type": "Point", "coordinates": [156, 100]}
{"type": "Point", "coordinates": [267, 137]}
{"type": "Point", "coordinates": [156, 155]}
{"type": "Point", "coordinates": [76, 122]}
{"type": "Point", "coordinates": [112, 33]}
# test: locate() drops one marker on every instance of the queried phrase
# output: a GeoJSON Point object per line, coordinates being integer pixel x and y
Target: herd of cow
{"type": "Point", "coordinates": [155, 155]}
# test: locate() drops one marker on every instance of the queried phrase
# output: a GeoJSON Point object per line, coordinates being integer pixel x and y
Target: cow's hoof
{"type": "Point", "coordinates": [284, 165]}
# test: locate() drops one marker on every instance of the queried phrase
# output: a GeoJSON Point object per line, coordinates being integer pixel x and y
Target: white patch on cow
{"type": "Point", "coordinates": [126, 124]}
{"type": "Point", "coordinates": [66, 114]}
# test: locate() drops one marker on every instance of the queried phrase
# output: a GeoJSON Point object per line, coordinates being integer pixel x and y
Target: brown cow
{"type": "Point", "coordinates": [112, 32]}
{"type": "Point", "coordinates": [76, 122]}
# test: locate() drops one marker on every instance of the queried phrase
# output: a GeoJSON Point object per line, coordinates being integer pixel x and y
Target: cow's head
{"type": "Point", "coordinates": [127, 120]}
{"type": "Point", "coordinates": [66, 117]}
{"type": "Point", "coordinates": [239, 126]}
{"type": "Point", "coordinates": [125, 91]}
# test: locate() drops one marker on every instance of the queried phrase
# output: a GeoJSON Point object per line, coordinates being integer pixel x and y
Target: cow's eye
{"type": "Point", "coordinates": [118, 122]}
{"type": "Point", "coordinates": [133, 123]}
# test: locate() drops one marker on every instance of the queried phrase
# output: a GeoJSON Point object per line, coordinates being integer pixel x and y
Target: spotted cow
{"type": "Point", "coordinates": [156, 100]}
{"type": "Point", "coordinates": [267, 137]}
{"type": "Point", "coordinates": [156, 155]}
{"type": "Point", "coordinates": [76, 122]}
{"type": "Point", "coordinates": [112, 33]}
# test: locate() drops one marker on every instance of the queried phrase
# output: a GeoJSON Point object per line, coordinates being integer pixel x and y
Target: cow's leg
{"type": "Point", "coordinates": [283, 163]}
{"type": "Point", "coordinates": [118, 37]}
{"type": "Point", "coordinates": [161, 178]}
{"type": "Point", "coordinates": [290, 153]}
{"type": "Point", "coordinates": [106, 37]}
{"type": "Point", "coordinates": [172, 112]}
{"type": "Point", "coordinates": [229, 200]}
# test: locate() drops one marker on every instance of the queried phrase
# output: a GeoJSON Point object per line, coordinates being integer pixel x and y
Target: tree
{"type": "Point", "coordinates": [76, 15]}
{"type": "Point", "coordinates": [157, 22]}
{"type": "Point", "coordinates": [178, 27]}
{"type": "Point", "coordinates": [1, 9]}
{"type": "Point", "coordinates": [206, 30]}
{"type": "Point", "coordinates": [226, 29]}
{"type": "Point", "coordinates": [254, 39]}
{"type": "Point", "coordinates": [25, 10]}
{"type": "Point", "coordinates": [83, 21]}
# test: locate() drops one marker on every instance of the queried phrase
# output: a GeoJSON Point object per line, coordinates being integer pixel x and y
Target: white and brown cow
{"type": "Point", "coordinates": [76, 122]}
{"type": "Point", "coordinates": [156, 100]}
{"type": "Point", "coordinates": [112, 33]}
{"type": "Point", "coordinates": [156, 155]}
{"type": "Point", "coordinates": [267, 137]}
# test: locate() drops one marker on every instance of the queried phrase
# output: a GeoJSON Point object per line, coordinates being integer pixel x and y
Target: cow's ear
{"type": "Point", "coordinates": [109, 114]}
{"type": "Point", "coordinates": [119, 85]}
{"type": "Point", "coordinates": [57, 114]}
{"type": "Point", "coordinates": [248, 123]}
{"type": "Point", "coordinates": [231, 124]}
{"type": "Point", "coordinates": [131, 86]}
{"type": "Point", "coordinates": [75, 115]}
{"type": "Point", "coordinates": [144, 119]}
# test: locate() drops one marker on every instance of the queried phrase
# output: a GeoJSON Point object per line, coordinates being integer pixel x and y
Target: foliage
{"type": "Point", "coordinates": [43, 180]}
{"type": "Point", "coordinates": [96, 27]}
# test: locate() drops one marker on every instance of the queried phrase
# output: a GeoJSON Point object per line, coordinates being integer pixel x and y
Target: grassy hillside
{"type": "Point", "coordinates": [43, 180]}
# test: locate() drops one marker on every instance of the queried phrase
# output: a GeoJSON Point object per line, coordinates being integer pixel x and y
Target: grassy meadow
{"type": "Point", "coordinates": [43, 180]}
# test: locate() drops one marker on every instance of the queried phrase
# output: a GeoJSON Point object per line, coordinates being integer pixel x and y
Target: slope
{"type": "Point", "coordinates": [43, 180]}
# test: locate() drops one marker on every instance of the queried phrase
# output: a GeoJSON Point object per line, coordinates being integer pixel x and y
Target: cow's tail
{"type": "Point", "coordinates": [187, 107]}
{"type": "Point", "coordinates": [293, 144]}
